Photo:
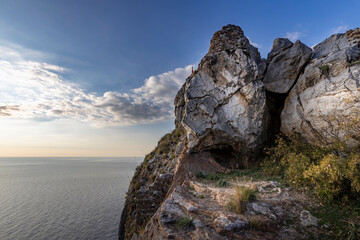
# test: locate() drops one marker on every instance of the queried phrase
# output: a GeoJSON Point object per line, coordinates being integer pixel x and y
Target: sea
{"type": "Point", "coordinates": [63, 198]}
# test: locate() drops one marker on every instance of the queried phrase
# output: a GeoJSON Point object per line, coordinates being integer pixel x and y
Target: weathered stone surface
{"type": "Point", "coordinates": [223, 102]}
{"type": "Point", "coordinates": [231, 38]}
{"type": "Point", "coordinates": [306, 219]}
{"type": "Point", "coordinates": [236, 225]}
{"type": "Point", "coordinates": [262, 208]}
{"type": "Point", "coordinates": [279, 45]}
{"type": "Point", "coordinates": [213, 220]}
{"type": "Point", "coordinates": [285, 62]}
{"type": "Point", "coordinates": [326, 94]}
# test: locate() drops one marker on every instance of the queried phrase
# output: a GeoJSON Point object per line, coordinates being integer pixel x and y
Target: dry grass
{"type": "Point", "coordinates": [243, 194]}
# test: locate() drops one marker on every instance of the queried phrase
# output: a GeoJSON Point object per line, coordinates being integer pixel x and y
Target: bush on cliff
{"type": "Point", "coordinates": [333, 172]}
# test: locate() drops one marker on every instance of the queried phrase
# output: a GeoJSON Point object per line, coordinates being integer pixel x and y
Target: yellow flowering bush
{"type": "Point", "coordinates": [327, 177]}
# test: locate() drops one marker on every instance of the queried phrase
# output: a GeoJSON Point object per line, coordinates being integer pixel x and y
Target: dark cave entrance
{"type": "Point", "coordinates": [275, 104]}
{"type": "Point", "coordinates": [226, 156]}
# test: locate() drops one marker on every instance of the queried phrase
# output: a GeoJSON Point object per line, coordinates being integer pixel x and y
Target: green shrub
{"type": "Point", "coordinates": [241, 198]}
{"type": "Point", "coordinates": [325, 68]}
{"type": "Point", "coordinates": [185, 222]}
{"type": "Point", "coordinates": [353, 171]}
{"type": "Point", "coordinates": [327, 176]}
{"type": "Point", "coordinates": [199, 174]}
{"type": "Point", "coordinates": [222, 183]}
{"type": "Point", "coordinates": [291, 153]}
{"type": "Point", "coordinates": [212, 177]}
{"type": "Point", "coordinates": [296, 164]}
{"type": "Point", "coordinates": [332, 171]}
{"type": "Point", "coordinates": [336, 177]}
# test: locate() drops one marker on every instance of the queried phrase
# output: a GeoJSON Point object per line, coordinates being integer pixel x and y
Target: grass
{"type": "Point", "coordinates": [325, 68]}
{"type": "Point", "coordinates": [242, 196]}
{"type": "Point", "coordinates": [185, 222]}
{"type": "Point", "coordinates": [342, 219]}
{"type": "Point", "coordinates": [245, 174]}
{"type": "Point", "coordinates": [351, 231]}
{"type": "Point", "coordinates": [254, 223]}
{"type": "Point", "coordinates": [222, 183]}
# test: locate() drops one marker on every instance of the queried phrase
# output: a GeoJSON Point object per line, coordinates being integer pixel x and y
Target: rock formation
{"type": "Point", "coordinates": [284, 64]}
{"type": "Point", "coordinates": [319, 101]}
{"type": "Point", "coordinates": [225, 112]}
{"type": "Point", "coordinates": [222, 105]}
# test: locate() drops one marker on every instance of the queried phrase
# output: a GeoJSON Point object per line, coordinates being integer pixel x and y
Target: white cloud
{"type": "Point", "coordinates": [254, 44]}
{"type": "Point", "coordinates": [35, 90]}
{"type": "Point", "coordinates": [340, 29]}
{"type": "Point", "coordinates": [293, 36]}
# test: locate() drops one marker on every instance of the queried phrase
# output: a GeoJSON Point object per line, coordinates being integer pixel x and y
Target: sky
{"type": "Point", "coordinates": [98, 78]}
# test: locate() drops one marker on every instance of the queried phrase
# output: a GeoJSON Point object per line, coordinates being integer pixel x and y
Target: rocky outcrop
{"type": "Point", "coordinates": [277, 213]}
{"type": "Point", "coordinates": [222, 105]}
{"type": "Point", "coordinates": [326, 94]}
{"type": "Point", "coordinates": [285, 62]}
{"type": "Point", "coordinates": [225, 112]}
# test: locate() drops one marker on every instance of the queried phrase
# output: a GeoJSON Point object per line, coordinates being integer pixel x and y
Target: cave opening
{"type": "Point", "coordinates": [226, 156]}
{"type": "Point", "coordinates": [275, 104]}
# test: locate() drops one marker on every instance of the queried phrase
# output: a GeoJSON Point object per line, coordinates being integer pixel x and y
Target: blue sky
{"type": "Point", "coordinates": [93, 77]}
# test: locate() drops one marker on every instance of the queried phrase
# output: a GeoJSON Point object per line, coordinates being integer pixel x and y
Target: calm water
{"type": "Point", "coordinates": [63, 198]}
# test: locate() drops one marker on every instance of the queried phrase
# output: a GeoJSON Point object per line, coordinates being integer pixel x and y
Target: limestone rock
{"type": "Point", "coordinates": [279, 45]}
{"type": "Point", "coordinates": [235, 225]}
{"type": "Point", "coordinates": [262, 208]}
{"type": "Point", "coordinates": [223, 102]}
{"type": "Point", "coordinates": [327, 93]}
{"type": "Point", "coordinates": [285, 62]}
{"type": "Point", "coordinates": [306, 219]}
{"type": "Point", "coordinates": [229, 39]}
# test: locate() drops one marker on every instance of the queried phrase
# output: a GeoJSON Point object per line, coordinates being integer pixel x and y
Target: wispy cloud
{"type": "Point", "coordinates": [340, 29]}
{"type": "Point", "coordinates": [253, 43]}
{"type": "Point", "coordinates": [35, 90]}
{"type": "Point", "coordinates": [293, 36]}
{"type": "Point", "coordinates": [4, 110]}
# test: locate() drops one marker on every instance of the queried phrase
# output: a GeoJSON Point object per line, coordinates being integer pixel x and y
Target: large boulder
{"type": "Point", "coordinates": [222, 105]}
{"type": "Point", "coordinates": [326, 95]}
{"type": "Point", "coordinates": [285, 62]}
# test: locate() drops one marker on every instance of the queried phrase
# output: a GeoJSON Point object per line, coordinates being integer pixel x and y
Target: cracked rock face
{"type": "Point", "coordinates": [319, 101]}
{"type": "Point", "coordinates": [285, 62]}
{"type": "Point", "coordinates": [223, 102]}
